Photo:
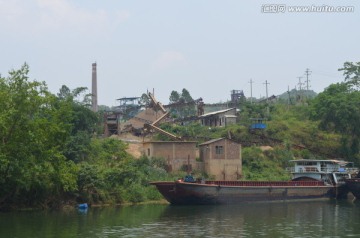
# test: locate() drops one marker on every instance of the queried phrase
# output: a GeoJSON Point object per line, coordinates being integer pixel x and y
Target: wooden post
{"type": "Point", "coordinates": [188, 165]}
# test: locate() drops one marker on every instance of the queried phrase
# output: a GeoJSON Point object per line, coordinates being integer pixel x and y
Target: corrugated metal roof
{"type": "Point", "coordinates": [212, 141]}
{"type": "Point", "coordinates": [322, 160]}
{"type": "Point", "coordinates": [217, 112]}
{"type": "Point", "coordinates": [177, 142]}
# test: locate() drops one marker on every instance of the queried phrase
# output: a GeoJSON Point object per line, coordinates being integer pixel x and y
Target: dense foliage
{"type": "Point", "coordinates": [49, 155]}
{"type": "Point", "coordinates": [183, 98]}
{"type": "Point", "coordinates": [110, 175]}
{"type": "Point", "coordinates": [338, 110]}
{"type": "Point", "coordinates": [34, 128]}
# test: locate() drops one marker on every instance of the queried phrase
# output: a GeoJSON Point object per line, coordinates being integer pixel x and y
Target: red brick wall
{"type": "Point", "coordinates": [232, 150]}
{"type": "Point", "coordinates": [213, 149]}
{"type": "Point", "coordinates": [227, 166]}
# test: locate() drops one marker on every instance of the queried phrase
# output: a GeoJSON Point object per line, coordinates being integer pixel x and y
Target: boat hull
{"type": "Point", "coordinates": [183, 193]}
{"type": "Point", "coordinates": [354, 186]}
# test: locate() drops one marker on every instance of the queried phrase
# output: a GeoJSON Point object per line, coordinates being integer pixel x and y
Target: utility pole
{"type": "Point", "coordinates": [300, 83]}
{"type": "Point", "coordinates": [267, 98]}
{"type": "Point", "coordinates": [289, 99]}
{"type": "Point", "coordinates": [251, 82]}
{"type": "Point", "coordinates": [307, 73]}
{"type": "Point", "coordinates": [300, 89]}
{"type": "Point", "coordinates": [266, 85]}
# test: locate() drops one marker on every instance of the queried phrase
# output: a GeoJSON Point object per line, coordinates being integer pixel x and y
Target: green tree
{"type": "Point", "coordinates": [185, 105]}
{"type": "Point", "coordinates": [174, 97]}
{"type": "Point", "coordinates": [144, 99]}
{"type": "Point", "coordinates": [82, 122]}
{"type": "Point", "coordinates": [185, 95]}
{"type": "Point", "coordinates": [33, 130]}
{"type": "Point", "coordinates": [351, 71]}
{"type": "Point", "coordinates": [189, 109]}
{"type": "Point", "coordinates": [338, 109]}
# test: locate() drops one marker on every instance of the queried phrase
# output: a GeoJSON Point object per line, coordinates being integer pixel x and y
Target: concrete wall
{"type": "Point", "coordinates": [176, 154]}
{"type": "Point", "coordinates": [226, 165]}
{"type": "Point", "coordinates": [230, 120]}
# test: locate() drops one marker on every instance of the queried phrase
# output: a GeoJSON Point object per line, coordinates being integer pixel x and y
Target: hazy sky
{"type": "Point", "coordinates": [206, 46]}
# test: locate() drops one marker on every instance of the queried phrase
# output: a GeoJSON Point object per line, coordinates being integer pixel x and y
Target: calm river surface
{"type": "Point", "coordinates": [295, 219]}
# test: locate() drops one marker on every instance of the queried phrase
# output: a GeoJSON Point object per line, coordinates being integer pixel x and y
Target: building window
{"type": "Point", "coordinates": [219, 150]}
{"type": "Point", "coordinates": [148, 151]}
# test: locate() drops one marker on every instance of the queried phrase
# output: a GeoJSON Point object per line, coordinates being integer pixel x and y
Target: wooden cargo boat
{"type": "Point", "coordinates": [312, 180]}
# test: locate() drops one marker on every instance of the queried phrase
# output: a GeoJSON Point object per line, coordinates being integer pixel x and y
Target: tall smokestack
{"type": "Point", "coordinates": [94, 89]}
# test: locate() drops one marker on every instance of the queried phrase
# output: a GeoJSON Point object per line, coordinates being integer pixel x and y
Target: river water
{"type": "Point", "coordinates": [295, 219]}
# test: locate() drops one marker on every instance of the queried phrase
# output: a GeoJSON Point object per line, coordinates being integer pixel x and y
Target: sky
{"type": "Point", "coordinates": [209, 47]}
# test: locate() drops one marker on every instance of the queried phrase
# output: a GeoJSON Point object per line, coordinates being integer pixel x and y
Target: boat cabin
{"type": "Point", "coordinates": [329, 171]}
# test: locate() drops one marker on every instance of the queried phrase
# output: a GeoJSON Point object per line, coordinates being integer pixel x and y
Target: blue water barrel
{"type": "Point", "coordinates": [258, 126]}
{"type": "Point", "coordinates": [83, 206]}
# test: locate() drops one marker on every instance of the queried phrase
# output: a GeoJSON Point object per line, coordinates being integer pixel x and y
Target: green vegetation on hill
{"type": "Point", "coordinates": [294, 96]}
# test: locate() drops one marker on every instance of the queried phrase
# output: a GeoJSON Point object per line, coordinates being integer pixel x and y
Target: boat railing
{"type": "Point", "coordinates": [308, 169]}
{"type": "Point", "coordinates": [265, 183]}
{"type": "Point", "coordinates": [352, 170]}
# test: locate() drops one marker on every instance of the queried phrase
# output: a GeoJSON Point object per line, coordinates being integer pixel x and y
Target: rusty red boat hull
{"type": "Point", "coordinates": [233, 192]}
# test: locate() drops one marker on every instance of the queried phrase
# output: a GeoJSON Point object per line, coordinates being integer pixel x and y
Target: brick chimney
{"type": "Point", "coordinates": [94, 89]}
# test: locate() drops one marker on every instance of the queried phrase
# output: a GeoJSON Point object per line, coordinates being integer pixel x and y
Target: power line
{"type": "Point", "coordinates": [330, 75]}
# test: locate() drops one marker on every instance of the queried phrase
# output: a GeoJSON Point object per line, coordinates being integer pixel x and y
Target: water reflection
{"type": "Point", "coordinates": [301, 219]}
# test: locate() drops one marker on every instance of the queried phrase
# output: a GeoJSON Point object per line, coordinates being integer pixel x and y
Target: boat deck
{"type": "Point", "coordinates": [265, 183]}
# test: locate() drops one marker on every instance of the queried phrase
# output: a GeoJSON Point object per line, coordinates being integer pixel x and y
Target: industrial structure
{"type": "Point", "coordinates": [149, 127]}
{"type": "Point", "coordinates": [219, 157]}
{"type": "Point", "coordinates": [111, 124]}
{"type": "Point", "coordinates": [136, 124]}
{"type": "Point", "coordinates": [128, 107]}
{"type": "Point", "coordinates": [132, 116]}
{"type": "Point", "coordinates": [237, 96]}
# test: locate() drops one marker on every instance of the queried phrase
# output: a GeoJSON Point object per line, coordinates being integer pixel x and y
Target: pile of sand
{"type": "Point", "coordinates": [135, 143]}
